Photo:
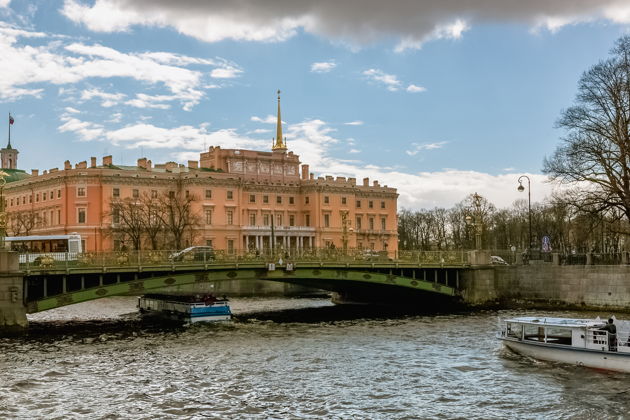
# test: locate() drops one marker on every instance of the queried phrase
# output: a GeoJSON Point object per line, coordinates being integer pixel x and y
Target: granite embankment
{"type": "Point", "coordinates": [545, 285]}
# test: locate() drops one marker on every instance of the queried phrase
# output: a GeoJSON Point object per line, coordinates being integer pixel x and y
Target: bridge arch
{"type": "Point", "coordinates": [331, 279]}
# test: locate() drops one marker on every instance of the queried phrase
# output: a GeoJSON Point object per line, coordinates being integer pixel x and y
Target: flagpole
{"type": "Point", "coordinates": [9, 129]}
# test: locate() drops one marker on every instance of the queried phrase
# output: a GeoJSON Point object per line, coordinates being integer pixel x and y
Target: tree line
{"type": "Point", "coordinates": [569, 228]}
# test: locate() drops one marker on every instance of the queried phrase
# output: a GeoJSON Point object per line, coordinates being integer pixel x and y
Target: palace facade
{"type": "Point", "coordinates": [243, 200]}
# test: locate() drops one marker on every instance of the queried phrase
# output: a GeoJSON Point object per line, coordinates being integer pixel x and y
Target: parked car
{"type": "Point", "coordinates": [193, 253]}
{"type": "Point", "coordinates": [496, 260]}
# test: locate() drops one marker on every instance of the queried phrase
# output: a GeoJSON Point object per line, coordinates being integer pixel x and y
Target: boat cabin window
{"type": "Point", "coordinates": [551, 335]}
{"type": "Point", "coordinates": [559, 336]}
{"type": "Point", "coordinates": [515, 330]}
{"type": "Point", "coordinates": [534, 332]}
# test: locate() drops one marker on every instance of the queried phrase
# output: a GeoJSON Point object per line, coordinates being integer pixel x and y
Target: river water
{"type": "Point", "coordinates": [290, 359]}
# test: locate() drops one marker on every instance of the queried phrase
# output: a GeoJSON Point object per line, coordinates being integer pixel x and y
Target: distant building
{"type": "Point", "coordinates": [243, 199]}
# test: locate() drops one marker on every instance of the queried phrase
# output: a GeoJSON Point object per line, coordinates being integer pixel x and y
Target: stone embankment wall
{"type": "Point", "coordinates": [12, 311]}
{"type": "Point", "coordinates": [588, 287]}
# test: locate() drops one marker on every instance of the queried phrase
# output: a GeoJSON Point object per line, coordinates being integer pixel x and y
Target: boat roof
{"type": "Point", "coordinates": [558, 322]}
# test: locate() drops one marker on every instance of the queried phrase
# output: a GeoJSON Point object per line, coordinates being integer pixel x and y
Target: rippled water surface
{"type": "Point", "coordinates": [289, 358]}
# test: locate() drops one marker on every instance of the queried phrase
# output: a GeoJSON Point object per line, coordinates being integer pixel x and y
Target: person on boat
{"type": "Point", "coordinates": [611, 328]}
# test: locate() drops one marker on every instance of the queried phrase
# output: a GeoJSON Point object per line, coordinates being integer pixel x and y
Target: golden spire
{"type": "Point", "coordinates": [279, 145]}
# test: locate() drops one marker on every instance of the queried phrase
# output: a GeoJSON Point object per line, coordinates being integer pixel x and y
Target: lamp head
{"type": "Point", "coordinates": [468, 219]}
{"type": "Point", "coordinates": [520, 187]}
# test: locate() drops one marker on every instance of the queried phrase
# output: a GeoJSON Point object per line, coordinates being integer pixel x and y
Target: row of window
{"type": "Point", "coordinates": [252, 197]}
{"type": "Point", "coordinates": [265, 199]}
{"type": "Point", "coordinates": [43, 196]}
{"type": "Point", "coordinates": [266, 220]}
{"type": "Point", "coordinates": [53, 217]}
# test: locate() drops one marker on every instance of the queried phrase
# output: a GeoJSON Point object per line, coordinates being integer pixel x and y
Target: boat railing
{"type": "Point", "coordinates": [597, 339]}
{"type": "Point", "coordinates": [623, 341]}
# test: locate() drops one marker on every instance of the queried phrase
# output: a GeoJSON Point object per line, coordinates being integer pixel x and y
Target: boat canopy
{"type": "Point", "coordinates": [558, 322]}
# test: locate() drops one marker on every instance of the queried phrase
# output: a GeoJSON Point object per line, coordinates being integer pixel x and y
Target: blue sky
{"type": "Point", "coordinates": [433, 98]}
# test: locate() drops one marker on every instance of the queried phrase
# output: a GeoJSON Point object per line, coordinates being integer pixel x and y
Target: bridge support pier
{"type": "Point", "coordinates": [12, 309]}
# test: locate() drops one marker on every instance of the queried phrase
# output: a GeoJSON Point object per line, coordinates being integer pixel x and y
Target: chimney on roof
{"type": "Point", "coordinates": [92, 162]}
{"type": "Point", "coordinates": [107, 160]}
{"type": "Point", "coordinates": [375, 183]}
{"type": "Point", "coordinates": [311, 176]}
{"type": "Point", "coordinates": [366, 182]}
{"type": "Point", "coordinates": [142, 163]}
{"type": "Point", "coordinates": [352, 181]}
{"type": "Point", "coordinates": [81, 165]}
{"type": "Point", "coordinates": [194, 164]}
{"type": "Point", "coordinates": [149, 165]}
{"type": "Point", "coordinates": [34, 172]}
{"type": "Point", "coordinates": [305, 172]}
{"type": "Point", "coordinates": [66, 165]}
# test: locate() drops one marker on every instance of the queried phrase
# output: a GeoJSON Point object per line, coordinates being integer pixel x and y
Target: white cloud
{"type": "Point", "coordinates": [108, 99]}
{"type": "Point", "coordinates": [353, 22]}
{"type": "Point", "coordinates": [413, 88]}
{"type": "Point", "coordinates": [5, 3]}
{"type": "Point", "coordinates": [390, 81]}
{"type": "Point", "coordinates": [71, 110]}
{"type": "Point", "coordinates": [323, 67]}
{"type": "Point", "coordinates": [418, 147]}
{"type": "Point", "coordinates": [225, 73]}
{"type": "Point", "coordinates": [260, 131]}
{"type": "Point", "coordinates": [453, 30]}
{"type": "Point", "coordinates": [152, 101]}
{"type": "Point", "coordinates": [63, 63]}
{"type": "Point", "coordinates": [115, 118]}
{"type": "Point", "coordinates": [358, 122]}
{"type": "Point", "coordinates": [269, 119]}
{"type": "Point", "coordinates": [353, 151]}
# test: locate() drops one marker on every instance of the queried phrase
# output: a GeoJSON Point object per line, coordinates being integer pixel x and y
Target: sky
{"type": "Point", "coordinates": [439, 99]}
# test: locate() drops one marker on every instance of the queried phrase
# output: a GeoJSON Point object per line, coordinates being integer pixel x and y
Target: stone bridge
{"type": "Point", "coordinates": [43, 283]}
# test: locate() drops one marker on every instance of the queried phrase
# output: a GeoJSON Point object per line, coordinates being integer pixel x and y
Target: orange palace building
{"type": "Point", "coordinates": [238, 192]}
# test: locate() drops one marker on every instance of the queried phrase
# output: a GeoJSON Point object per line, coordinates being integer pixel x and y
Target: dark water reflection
{"type": "Point", "coordinates": [289, 358]}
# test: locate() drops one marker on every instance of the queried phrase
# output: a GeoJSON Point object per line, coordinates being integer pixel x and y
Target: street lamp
{"type": "Point", "coordinates": [3, 215]}
{"type": "Point", "coordinates": [344, 232]}
{"type": "Point", "coordinates": [477, 220]}
{"type": "Point", "coordinates": [521, 188]}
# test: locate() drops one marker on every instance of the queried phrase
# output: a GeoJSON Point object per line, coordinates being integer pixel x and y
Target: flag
{"type": "Point", "coordinates": [11, 120]}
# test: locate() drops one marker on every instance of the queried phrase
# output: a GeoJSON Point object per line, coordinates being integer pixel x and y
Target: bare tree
{"type": "Point", "coordinates": [127, 220]}
{"type": "Point", "coordinates": [594, 156]}
{"type": "Point", "coordinates": [153, 217]}
{"type": "Point", "coordinates": [21, 223]}
{"type": "Point", "coordinates": [178, 215]}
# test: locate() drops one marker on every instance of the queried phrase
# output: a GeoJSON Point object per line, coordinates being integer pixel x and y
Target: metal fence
{"type": "Point", "coordinates": [206, 256]}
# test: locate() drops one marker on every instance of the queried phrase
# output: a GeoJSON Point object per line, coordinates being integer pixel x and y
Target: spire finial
{"type": "Point", "coordinates": [279, 145]}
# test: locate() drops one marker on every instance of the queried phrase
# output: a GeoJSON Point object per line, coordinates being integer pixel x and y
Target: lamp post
{"type": "Point", "coordinates": [477, 220]}
{"type": "Point", "coordinates": [521, 188]}
{"type": "Point", "coordinates": [3, 215]}
{"type": "Point", "coordinates": [344, 231]}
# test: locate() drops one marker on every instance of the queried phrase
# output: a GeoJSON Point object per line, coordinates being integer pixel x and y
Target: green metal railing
{"type": "Point", "coordinates": [206, 258]}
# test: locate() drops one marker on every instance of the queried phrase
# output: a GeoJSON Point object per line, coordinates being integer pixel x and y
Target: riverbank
{"type": "Point", "coordinates": [548, 286]}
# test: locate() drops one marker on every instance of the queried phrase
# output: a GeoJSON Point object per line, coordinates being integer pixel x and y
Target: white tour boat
{"type": "Point", "coordinates": [189, 309]}
{"type": "Point", "coordinates": [581, 342]}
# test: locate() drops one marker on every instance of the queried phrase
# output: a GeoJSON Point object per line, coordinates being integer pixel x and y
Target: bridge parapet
{"type": "Point", "coordinates": [143, 260]}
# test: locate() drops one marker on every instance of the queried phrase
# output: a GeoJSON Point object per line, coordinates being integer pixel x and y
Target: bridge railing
{"type": "Point", "coordinates": [157, 258]}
